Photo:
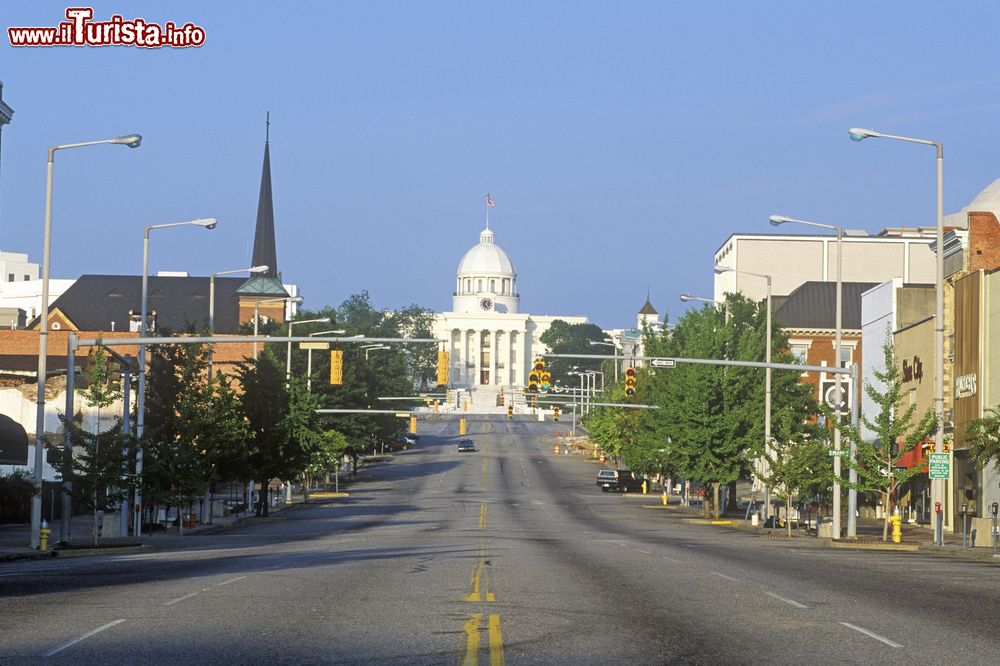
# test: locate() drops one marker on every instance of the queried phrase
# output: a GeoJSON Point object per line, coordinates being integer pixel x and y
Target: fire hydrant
{"type": "Point", "coordinates": [43, 539]}
{"type": "Point", "coordinates": [644, 487]}
{"type": "Point", "coordinates": [897, 532]}
{"type": "Point", "coordinates": [664, 497]}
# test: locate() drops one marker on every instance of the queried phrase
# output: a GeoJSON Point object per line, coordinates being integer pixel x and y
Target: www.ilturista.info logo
{"type": "Point", "coordinates": [81, 30]}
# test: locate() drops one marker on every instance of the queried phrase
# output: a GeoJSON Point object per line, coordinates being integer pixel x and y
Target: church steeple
{"type": "Point", "coordinates": [264, 251]}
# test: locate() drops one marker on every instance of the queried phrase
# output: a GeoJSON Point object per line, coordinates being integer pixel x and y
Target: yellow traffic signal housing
{"type": "Point", "coordinates": [336, 367]}
{"type": "Point", "coordinates": [510, 412]}
{"type": "Point", "coordinates": [555, 414]}
{"type": "Point", "coordinates": [533, 381]}
{"type": "Point", "coordinates": [630, 382]}
{"type": "Point", "coordinates": [546, 382]}
{"type": "Point", "coordinates": [539, 366]}
{"type": "Point", "coordinates": [443, 362]}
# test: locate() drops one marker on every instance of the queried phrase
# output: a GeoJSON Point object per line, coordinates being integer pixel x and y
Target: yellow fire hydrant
{"type": "Point", "coordinates": [664, 497]}
{"type": "Point", "coordinates": [43, 539]}
{"type": "Point", "coordinates": [897, 532]}
{"type": "Point", "coordinates": [644, 487]}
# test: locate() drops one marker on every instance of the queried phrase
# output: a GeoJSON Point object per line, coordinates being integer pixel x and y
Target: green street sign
{"type": "Point", "coordinates": [939, 466]}
{"type": "Point", "coordinates": [843, 453]}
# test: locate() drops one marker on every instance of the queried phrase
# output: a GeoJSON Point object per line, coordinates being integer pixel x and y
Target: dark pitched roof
{"type": "Point", "coordinates": [814, 305]}
{"type": "Point", "coordinates": [264, 250]}
{"type": "Point", "coordinates": [648, 308]}
{"type": "Point", "coordinates": [94, 301]}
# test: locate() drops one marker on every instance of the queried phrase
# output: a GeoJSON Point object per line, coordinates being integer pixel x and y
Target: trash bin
{"type": "Point", "coordinates": [189, 520]}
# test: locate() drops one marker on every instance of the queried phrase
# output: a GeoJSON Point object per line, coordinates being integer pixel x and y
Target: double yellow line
{"type": "Point", "coordinates": [474, 625]}
{"type": "Point", "coordinates": [473, 632]}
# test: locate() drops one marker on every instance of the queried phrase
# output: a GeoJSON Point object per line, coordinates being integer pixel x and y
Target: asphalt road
{"type": "Point", "coordinates": [509, 554]}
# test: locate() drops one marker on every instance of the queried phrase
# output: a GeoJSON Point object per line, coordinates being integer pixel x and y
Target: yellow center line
{"type": "Point", "coordinates": [496, 641]}
{"type": "Point", "coordinates": [472, 641]}
{"type": "Point", "coordinates": [476, 594]}
{"type": "Point", "coordinates": [482, 515]}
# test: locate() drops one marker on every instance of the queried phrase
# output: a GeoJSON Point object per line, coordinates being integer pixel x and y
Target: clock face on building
{"type": "Point", "coordinates": [486, 303]}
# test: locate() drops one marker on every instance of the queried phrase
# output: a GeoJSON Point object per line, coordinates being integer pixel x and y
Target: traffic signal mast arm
{"type": "Point", "coordinates": [714, 361]}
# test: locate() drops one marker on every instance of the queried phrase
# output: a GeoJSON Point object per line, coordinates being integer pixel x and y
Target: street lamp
{"type": "Point", "coordinates": [767, 372]}
{"type": "Point", "coordinates": [140, 420]}
{"type": "Point", "coordinates": [725, 306]}
{"type": "Point", "coordinates": [211, 305]}
{"type": "Point", "coordinates": [309, 356]}
{"type": "Point", "coordinates": [256, 314]}
{"type": "Point", "coordinates": [288, 353]}
{"type": "Point", "coordinates": [852, 495]}
{"type": "Point", "coordinates": [613, 346]}
{"type": "Point", "coordinates": [371, 348]}
{"type": "Point", "coordinates": [859, 134]}
{"type": "Point", "coordinates": [132, 141]}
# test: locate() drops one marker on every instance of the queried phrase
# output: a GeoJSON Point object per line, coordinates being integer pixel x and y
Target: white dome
{"type": "Point", "coordinates": [486, 258]}
{"type": "Point", "coordinates": [987, 201]}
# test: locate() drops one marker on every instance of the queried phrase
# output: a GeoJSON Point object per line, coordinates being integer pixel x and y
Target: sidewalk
{"type": "Point", "coordinates": [14, 538]}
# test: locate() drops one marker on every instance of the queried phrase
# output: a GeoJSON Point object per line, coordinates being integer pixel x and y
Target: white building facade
{"type": "Point", "coordinates": [491, 344]}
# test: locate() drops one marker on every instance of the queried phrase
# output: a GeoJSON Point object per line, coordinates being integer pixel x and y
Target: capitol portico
{"type": "Point", "coordinates": [491, 343]}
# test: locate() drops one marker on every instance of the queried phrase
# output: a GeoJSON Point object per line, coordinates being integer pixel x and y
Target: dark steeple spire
{"type": "Point", "coordinates": [264, 252]}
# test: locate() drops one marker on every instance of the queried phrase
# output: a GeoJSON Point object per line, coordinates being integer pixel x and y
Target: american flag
{"type": "Point", "coordinates": [489, 201]}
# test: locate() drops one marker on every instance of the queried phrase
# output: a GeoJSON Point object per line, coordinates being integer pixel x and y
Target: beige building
{"type": "Point", "coordinates": [794, 259]}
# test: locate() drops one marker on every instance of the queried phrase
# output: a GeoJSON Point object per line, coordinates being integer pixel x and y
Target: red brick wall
{"type": "Point", "coordinates": [821, 351]}
{"type": "Point", "coordinates": [984, 241]}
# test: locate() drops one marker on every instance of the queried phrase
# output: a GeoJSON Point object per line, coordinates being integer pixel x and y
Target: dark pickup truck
{"type": "Point", "coordinates": [622, 480]}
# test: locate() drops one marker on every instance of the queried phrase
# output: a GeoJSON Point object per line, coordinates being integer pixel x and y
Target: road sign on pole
{"type": "Point", "coordinates": [662, 362]}
{"type": "Point", "coordinates": [939, 466]}
{"type": "Point", "coordinates": [843, 453]}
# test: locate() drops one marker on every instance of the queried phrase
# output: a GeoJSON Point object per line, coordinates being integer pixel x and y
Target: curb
{"type": "Point", "coordinates": [910, 546]}
{"type": "Point", "coordinates": [80, 552]}
{"type": "Point", "coordinates": [18, 557]}
{"type": "Point", "coordinates": [708, 521]}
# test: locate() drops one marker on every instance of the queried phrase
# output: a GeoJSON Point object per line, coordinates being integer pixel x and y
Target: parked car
{"type": "Point", "coordinates": [398, 444]}
{"type": "Point", "coordinates": [411, 439]}
{"type": "Point", "coordinates": [621, 480]}
{"type": "Point", "coordinates": [465, 445]}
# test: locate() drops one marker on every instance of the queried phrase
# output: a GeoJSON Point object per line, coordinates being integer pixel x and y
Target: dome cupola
{"type": "Point", "coordinates": [485, 280]}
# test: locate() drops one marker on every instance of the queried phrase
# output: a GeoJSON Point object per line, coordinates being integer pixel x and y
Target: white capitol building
{"type": "Point", "coordinates": [491, 343]}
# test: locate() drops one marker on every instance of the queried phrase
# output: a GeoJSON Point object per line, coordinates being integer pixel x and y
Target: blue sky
{"type": "Point", "coordinates": [622, 142]}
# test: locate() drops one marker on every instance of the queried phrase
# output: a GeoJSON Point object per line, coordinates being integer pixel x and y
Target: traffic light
{"type": "Point", "coordinates": [544, 380]}
{"type": "Point", "coordinates": [336, 366]}
{"type": "Point", "coordinates": [535, 377]}
{"type": "Point", "coordinates": [510, 412]}
{"type": "Point", "coordinates": [443, 362]}
{"type": "Point", "coordinates": [555, 414]}
{"type": "Point", "coordinates": [630, 382]}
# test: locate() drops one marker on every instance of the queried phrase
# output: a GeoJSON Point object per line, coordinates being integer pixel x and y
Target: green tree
{"type": "Point", "coordinates": [98, 465]}
{"type": "Point", "coordinates": [324, 458]}
{"type": "Point", "coordinates": [983, 436]}
{"type": "Point", "coordinates": [565, 338]}
{"type": "Point", "coordinates": [797, 460]}
{"type": "Point", "coordinates": [896, 434]}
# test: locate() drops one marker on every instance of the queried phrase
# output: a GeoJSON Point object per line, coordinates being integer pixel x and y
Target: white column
{"type": "Point", "coordinates": [463, 356]}
{"type": "Point", "coordinates": [494, 349]}
{"type": "Point", "coordinates": [477, 349]}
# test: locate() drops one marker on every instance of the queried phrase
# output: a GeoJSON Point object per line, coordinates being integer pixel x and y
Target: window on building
{"type": "Point", "coordinates": [468, 285]}
{"type": "Point", "coordinates": [10, 277]}
{"type": "Point", "coordinates": [479, 286]}
{"type": "Point", "coordinates": [493, 286]}
{"type": "Point", "coordinates": [27, 278]}
{"type": "Point", "coordinates": [800, 352]}
{"type": "Point", "coordinates": [506, 285]}
{"type": "Point", "coordinates": [846, 354]}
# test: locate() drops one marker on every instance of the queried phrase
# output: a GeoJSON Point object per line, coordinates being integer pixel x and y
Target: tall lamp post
{"type": "Point", "coordinates": [838, 398]}
{"type": "Point", "coordinates": [140, 419]}
{"type": "Point", "coordinates": [256, 314]}
{"type": "Point", "coordinates": [937, 485]}
{"type": "Point", "coordinates": [132, 141]}
{"type": "Point", "coordinates": [767, 374]}
{"type": "Point", "coordinates": [288, 353]}
{"type": "Point", "coordinates": [309, 356]}
{"type": "Point", "coordinates": [211, 304]}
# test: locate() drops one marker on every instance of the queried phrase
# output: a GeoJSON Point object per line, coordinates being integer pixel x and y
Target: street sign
{"type": "Point", "coordinates": [662, 362]}
{"type": "Point", "coordinates": [843, 453]}
{"type": "Point", "coordinates": [939, 466]}
{"type": "Point", "coordinates": [314, 345]}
